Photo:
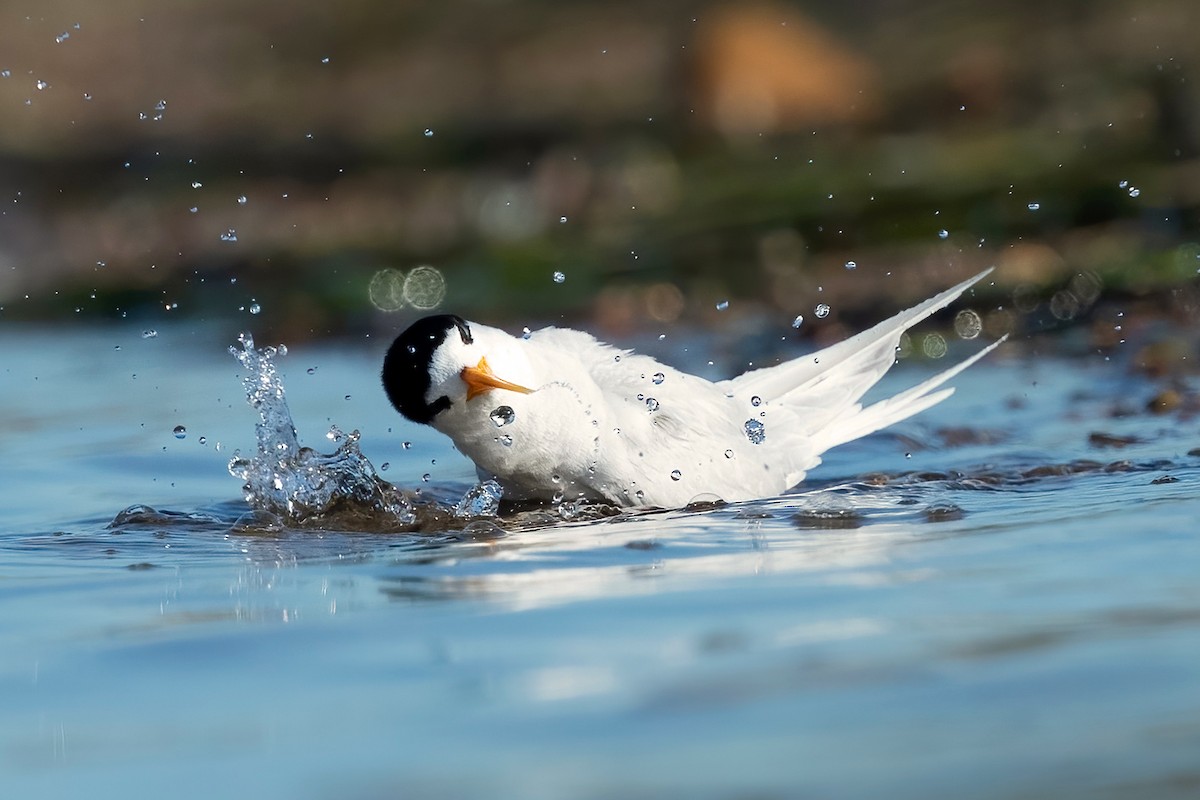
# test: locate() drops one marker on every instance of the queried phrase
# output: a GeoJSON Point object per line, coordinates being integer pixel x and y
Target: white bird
{"type": "Point", "coordinates": [557, 414]}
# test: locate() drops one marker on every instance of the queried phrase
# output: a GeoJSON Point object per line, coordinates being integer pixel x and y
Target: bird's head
{"type": "Point", "coordinates": [443, 361]}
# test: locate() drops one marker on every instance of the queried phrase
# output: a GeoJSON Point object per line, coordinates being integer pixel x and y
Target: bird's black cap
{"type": "Point", "coordinates": [406, 365]}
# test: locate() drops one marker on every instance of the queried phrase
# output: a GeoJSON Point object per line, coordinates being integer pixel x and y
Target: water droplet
{"type": "Point", "coordinates": [506, 440]}
{"type": "Point", "coordinates": [180, 432]}
{"type": "Point", "coordinates": [756, 432]}
{"type": "Point", "coordinates": [721, 306]}
{"type": "Point", "coordinates": [5, 73]}
{"type": "Point", "coordinates": [822, 311]}
{"type": "Point", "coordinates": [651, 404]}
{"type": "Point", "coordinates": [62, 37]}
{"type": "Point", "coordinates": [429, 132]}
{"type": "Point", "coordinates": [798, 321]}
{"type": "Point", "coordinates": [1034, 206]}
{"type": "Point", "coordinates": [851, 265]}
{"type": "Point", "coordinates": [242, 200]}
{"type": "Point", "coordinates": [756, 401]}
{"type": "Point", "coordinates": [943, 234]}
{"type": "Point", "coordinates": [254, 308]}
{"type": "Point", "coordinates": [502, 415]}
{"type": "Point", "coordinates": [311, 370]}
{"type": "Point", "coordinates": [149, 334]}
{"type": "Point", "coordinates": [325, 60]}
{"type": "Point", "coordinates": [729, 454]}
{"type": "Point", "coordinates": [42, 85]}
{"type": "Point", "coordinates": [1134, 191]}
{"type": "Point", "coordinates": [559, 277]}
{"type": "Point", "coordinates": [526, 333]}
{"type": "Point", "coordinates": [196, 184]}
{"type": "Point", "coordinates": [426, 477]}
{"type": "Point", "coordinates": [562, 219]}
{"type": "Point", "coordinates": [229, 236]}
{"type": "Point", "coordinates": [658, 378]}
{"type": "Point", "coordinates": [675, 475]}
{"type": "Point", "coordinates": [406, 445]}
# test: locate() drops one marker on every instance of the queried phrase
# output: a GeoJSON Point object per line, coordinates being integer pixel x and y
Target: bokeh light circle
{"type": "Point", "coordinates": [424, 288]}
{"type": "Point", "coordinates": [386, 290]}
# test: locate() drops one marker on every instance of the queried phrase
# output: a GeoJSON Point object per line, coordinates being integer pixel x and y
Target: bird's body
{"type": "Point", "coordinates": [559, 415]}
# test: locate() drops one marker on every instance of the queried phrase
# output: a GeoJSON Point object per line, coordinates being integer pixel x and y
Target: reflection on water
{"type": "Point", "coordinates": [987, 602]}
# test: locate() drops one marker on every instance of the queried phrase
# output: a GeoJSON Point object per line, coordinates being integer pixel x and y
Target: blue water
{"type": "Point", "coordinates": [924, 619]}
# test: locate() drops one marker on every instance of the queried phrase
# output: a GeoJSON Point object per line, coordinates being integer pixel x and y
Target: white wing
{"type": "Point", "coordinates": [697, 437]}
{"type": "Point", "coordinates": [661, 434]}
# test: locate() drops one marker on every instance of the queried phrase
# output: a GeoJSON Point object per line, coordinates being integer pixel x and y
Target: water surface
{"type": "Point", "coordinates": [987, 601]}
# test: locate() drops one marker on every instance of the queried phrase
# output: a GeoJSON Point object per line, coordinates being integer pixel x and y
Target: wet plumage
{"type": "Point", "coordinates": [558, 414]}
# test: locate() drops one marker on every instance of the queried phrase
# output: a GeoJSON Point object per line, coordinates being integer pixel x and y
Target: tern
{"type": "Point", "coordinates": [558, 415]}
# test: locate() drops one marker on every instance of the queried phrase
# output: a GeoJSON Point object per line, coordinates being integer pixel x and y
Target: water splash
{"type": "Point", "coordinates": [482, 500]}
{"type": "Point", "coordinates": [295, 482]}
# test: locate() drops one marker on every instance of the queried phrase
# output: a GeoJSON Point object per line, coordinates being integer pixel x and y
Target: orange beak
{"type": "Point", "coordinates": [480, 379]}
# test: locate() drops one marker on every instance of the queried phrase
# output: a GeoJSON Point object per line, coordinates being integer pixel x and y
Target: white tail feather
{"type": "Point", "coordinates": [824, 390]}
{"type": "Point", "coordinates": [855, 421]}
{"type": "Point", "coordinates": [860, 360]}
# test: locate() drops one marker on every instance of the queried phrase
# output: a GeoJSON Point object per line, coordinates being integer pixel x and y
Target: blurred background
{"type": "Point", "coordinates": [339, 167]}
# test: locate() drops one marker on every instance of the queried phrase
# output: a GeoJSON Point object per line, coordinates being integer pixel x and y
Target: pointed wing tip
{"type": "Point", "coordinates": [971, 281]}
{"type": "Point", "coordinates": [992, 346]}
